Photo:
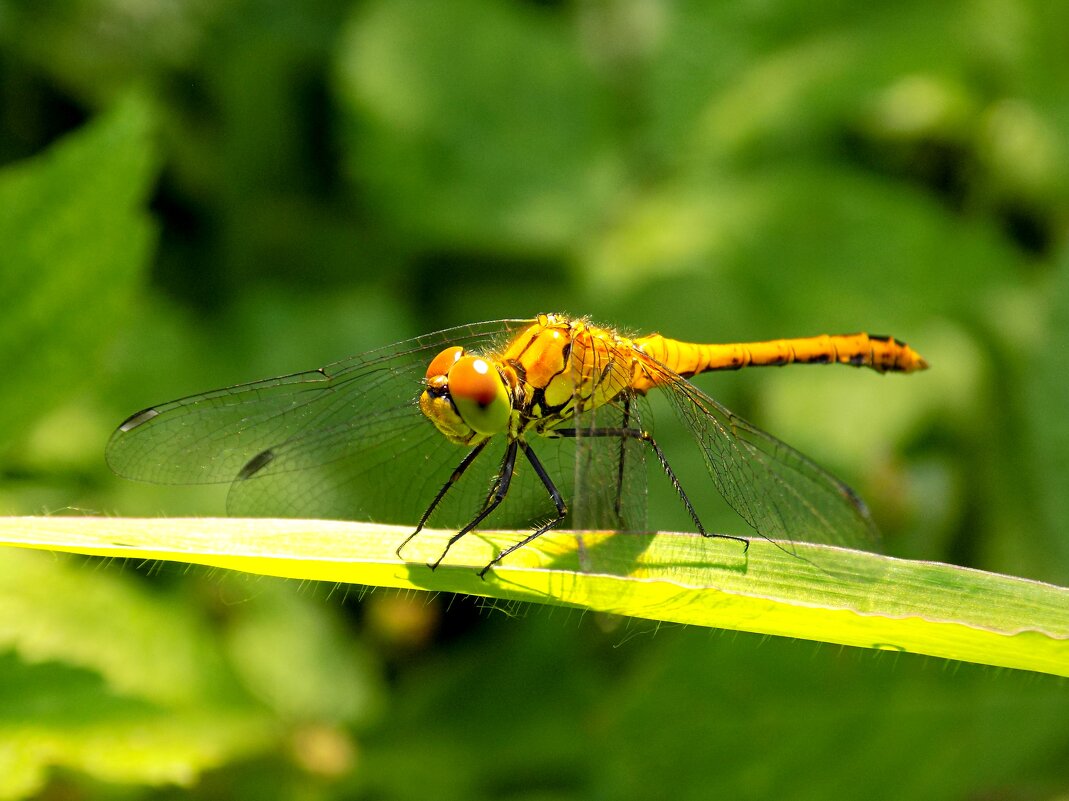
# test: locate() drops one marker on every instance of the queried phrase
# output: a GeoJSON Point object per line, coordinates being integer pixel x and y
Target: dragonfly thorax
{"type": "Point", "coordinates": [466, 397]}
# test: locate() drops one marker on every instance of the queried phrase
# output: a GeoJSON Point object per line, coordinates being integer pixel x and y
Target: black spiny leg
{"type": "Point", "coordinates": [645, 436]}
{"type": "Point", "coordinates": [618, 507]}
{"type": "Point", "coordinates": [453, 479]}
{"type": "Point", "coordinates": [554, 493]}
{"type": "Point", "coordinates": [497, 495]}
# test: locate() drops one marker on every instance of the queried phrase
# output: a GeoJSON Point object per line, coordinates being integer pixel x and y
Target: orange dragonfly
{"type": "Point", "coordinates": [377, 436]}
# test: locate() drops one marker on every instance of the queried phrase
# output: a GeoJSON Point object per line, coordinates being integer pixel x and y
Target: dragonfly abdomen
{"type": "Point", "coordinates": [880, 353]}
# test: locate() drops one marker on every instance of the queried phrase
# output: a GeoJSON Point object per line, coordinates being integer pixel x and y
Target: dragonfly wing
{"type": "Point", "coordinates": [209, 438]}
{"type": "Point", "coordinates": [214, 437]}
{"type": "Point", "coordinates": [385, 468]}
{"type": "Point", "coordinates": [608, 473]}
{"type": "Point", "coordinates": [388, 470]}
{"type": "Point", "coordinates": [781, 493]}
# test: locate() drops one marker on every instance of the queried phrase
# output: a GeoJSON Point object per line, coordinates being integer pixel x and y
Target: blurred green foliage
{"type": "Point", "coordinates": [197, 193]}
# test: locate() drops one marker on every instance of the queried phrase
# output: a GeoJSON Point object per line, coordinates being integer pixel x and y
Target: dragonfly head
{"type": "Point", "coordinates": [466, 397]}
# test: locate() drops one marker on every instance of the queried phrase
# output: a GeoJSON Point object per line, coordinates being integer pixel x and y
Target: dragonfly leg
{"type": "Point", "coordinates": [501, 488]}
{"type": "Point", "coordinates": [453, 479]}
{"type": "Point", "coordinates": [645, 436]}
{"type": "Point", "coordinates": [618, 506]}
{"type": "Point", "coordinates": [558, 501]}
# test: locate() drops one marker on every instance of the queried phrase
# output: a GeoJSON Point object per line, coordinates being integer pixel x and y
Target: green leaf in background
{"type": "Point", "coordinates": [710, 715]}
{"type": "Point", "coordinates": [100, 675]}
{"type": "Point", "coordinates": [74, 237]}
{"type": "Point", "coordinates": [865, 242]}
{"type": "Point", "coordinates": [131, 683]}
{"type": "Point", "coordinates": [1047, 401]}
{"type": "Point", "coordinates": [496, 138]}
{"type": "Point", "coordinates": [299, 661]}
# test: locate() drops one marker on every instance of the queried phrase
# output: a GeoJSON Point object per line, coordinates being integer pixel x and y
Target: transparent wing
{"type": "Point", "coordinates": [778, 491]}
{"type": "Point", "coordinates": [347, 440]}
{"type": "Point", "coordinates": [609, 471]}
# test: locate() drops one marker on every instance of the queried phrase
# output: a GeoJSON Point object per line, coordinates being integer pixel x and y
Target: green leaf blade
{"type": "Point", "coordinates": [815, 593]}
{"type": "Point", "coordinates": [75, 235]}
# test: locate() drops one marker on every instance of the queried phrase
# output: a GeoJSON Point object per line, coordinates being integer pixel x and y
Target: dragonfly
{"type": "Point", "coordinates": [554, 406]}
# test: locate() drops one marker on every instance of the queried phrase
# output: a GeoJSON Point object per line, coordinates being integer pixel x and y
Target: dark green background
{"type": "Point", "coordinates": [199, 193]}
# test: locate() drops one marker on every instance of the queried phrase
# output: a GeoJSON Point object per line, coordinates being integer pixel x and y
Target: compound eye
{"type": "Point", "coordinates": [479, 394]}
{"type": "Point", "coordinates": [441, 363]}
